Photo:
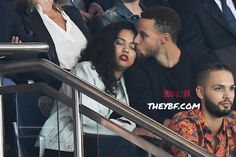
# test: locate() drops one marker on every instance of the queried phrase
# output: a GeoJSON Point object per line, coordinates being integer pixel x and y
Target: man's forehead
{"type": "Point", "coordinates": [221, 77]}
{"type": "Point", "coordinates": [143, 22]}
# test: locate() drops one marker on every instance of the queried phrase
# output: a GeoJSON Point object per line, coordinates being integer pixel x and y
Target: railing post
{"type": "Point", "coordinates": [1, 122]}
{"type": "Point", "coordinates": [78, 134]}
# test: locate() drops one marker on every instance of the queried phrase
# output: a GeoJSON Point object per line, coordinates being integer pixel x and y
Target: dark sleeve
{"type": "Point", "coordinates": [11, 24]}
{"type": "Point", "coordinates": [191, 35]}
{"type": "Point", "coordinates": [76, 17]}
{"type": "Point", "coordinates": [139, 90]}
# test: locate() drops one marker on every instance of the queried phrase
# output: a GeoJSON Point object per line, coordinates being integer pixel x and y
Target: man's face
{"type": "Point", "coordinates": [218, 93]}
{"type": "Point", "coordinates": [148, 38]}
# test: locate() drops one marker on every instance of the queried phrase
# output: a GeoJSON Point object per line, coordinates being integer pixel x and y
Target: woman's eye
{"type": "Point", "coordinates": [118, 42]}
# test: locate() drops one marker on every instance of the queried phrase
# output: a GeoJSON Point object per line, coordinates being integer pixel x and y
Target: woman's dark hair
{"type": "Point", "coordinates": [101, 52]}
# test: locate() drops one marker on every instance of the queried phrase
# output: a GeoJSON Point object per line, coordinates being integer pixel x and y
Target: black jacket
{"type": "Point", "coordinates": [206, 32]}
{"type": "Point", "coordinates": [203, 25]}
{"type": "Point", "coordinates": [38, 31]}
{"type": "Point", "coordinates": [10, 23]}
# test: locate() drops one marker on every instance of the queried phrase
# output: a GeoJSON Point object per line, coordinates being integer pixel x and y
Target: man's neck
{"type": "Point", "coordinates": [169, 56]}
{"type": "Point", "coordinates": [213, 123]}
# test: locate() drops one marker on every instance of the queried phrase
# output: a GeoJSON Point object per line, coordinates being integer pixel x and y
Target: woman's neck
{"type": "Point", "coordinates": [46, 6]}
{"type": "Point", "coordinates": [118, 74]}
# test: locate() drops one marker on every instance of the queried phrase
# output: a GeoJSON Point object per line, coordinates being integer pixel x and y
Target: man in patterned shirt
{"type": "Point", "coordinates": [212, 127]}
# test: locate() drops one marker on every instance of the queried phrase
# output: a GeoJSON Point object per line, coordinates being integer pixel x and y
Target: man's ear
{"type": "Point", "coordinates": [165, 38]}
{"type": "Point", "coordinates": [200, 92]}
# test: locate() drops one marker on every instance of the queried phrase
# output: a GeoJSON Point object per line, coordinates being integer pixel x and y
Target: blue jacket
{"type": "Point", "coordinates": [118, 13]}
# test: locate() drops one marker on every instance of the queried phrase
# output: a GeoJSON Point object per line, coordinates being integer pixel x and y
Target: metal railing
{"type": "Point", "coordinates": [23, 48]}
{"type": "Point", "coordinates": [85, 88]}
{"type": "Point", "coordinates": [9, 49]}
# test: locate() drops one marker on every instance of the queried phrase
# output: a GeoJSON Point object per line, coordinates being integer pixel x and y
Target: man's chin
{"type": "Point", "coordinates": [226, 110]}
{"type": "Point", "coordinates": [141, 56]}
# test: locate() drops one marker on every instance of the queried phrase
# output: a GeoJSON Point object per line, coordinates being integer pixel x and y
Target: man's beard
{"type": "Point", "coordinates": [142, 56]}
{"type": "Point", "coordinates": [215, 109]}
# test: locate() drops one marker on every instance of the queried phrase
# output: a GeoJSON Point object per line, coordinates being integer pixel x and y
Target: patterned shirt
{"type": "Point", "coordinates": [191, 125]}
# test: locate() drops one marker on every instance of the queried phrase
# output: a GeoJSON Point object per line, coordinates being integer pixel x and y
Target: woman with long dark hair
{"type": "Point", "coordinates": [102, 64]}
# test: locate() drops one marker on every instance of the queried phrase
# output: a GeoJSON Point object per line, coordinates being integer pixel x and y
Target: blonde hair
{"type": "Point", "coordinates": [30, 6]}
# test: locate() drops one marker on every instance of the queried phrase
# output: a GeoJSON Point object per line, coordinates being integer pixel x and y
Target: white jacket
{"type": "Point", "coordinates": [85, 71]}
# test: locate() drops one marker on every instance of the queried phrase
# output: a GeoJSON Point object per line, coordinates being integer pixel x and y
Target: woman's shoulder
{"type": "Point", "coordinates": [85, 68]}
{"type": "Point", "coordinates": [84, 65]}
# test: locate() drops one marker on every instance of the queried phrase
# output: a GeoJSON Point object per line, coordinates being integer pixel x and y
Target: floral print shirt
{"type": "Point", "coordinates": [191, 125]}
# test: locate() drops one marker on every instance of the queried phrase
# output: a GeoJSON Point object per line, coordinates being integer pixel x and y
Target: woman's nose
{"type": "Point", "coordinates": [125, 49]}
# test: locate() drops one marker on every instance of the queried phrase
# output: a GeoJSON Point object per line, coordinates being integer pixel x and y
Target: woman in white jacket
{"type": "Point", "coordinates": [102, 64]}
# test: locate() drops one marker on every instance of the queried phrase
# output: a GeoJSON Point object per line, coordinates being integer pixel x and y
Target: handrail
{"type": "Point", "coordinates": [142, 143]}
{"type": "Point", "coordinates": [103, 98]}
{"type": "Point", "coordinates": [45, 89]}
{"type": "Point", "coordinates": [22, 48]}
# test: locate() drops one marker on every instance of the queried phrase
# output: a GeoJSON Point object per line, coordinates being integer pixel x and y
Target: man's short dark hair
{"type": "Point", "coordinates": [207, 69]}
{"type": "Point", "coordinates": [166, 20]}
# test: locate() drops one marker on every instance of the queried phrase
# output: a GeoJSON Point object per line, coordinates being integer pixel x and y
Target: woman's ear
{"type": "Point", "coordinates": [200, 92]}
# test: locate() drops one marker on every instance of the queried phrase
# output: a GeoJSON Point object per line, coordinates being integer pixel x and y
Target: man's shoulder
{"type": "Point", "coordinates": [232, 117]}
{"type": "Point", "coordinates": [111, 13]}
{"type": "Point", "coordinates": [185, 116]}
{"type": "Point", "coordinates": [186, 123]}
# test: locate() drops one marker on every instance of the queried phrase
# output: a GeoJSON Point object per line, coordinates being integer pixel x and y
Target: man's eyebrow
{"type": "Point", "coordinates": [221, 85]}
{"type": "Point", "coordinates": [143, 33]}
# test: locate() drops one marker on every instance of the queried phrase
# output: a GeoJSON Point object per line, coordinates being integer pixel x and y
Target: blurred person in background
{"type": "Point", "coordinates": [60, 26]}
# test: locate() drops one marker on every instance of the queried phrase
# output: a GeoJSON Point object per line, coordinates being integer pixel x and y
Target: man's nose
{"type": "Point", "coordinates": [227, 94]}
{"type": "Point", "coordinates": [137, 39]}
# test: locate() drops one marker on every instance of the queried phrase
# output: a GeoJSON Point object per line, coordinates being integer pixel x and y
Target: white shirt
{"type": "Point", "coordinates": [68, 43]}
{"type": "Point", "coordinates": [230, 4]}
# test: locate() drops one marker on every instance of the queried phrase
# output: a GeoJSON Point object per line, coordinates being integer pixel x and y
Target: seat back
{"type": "Point", "coordinates": [30, 120]}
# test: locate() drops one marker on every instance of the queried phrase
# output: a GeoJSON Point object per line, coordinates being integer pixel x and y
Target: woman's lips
{"type": "Point", "coordinates": [124, 58]}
